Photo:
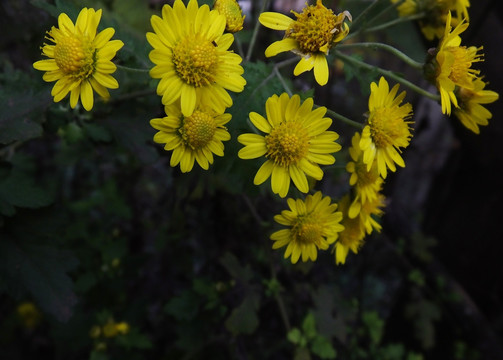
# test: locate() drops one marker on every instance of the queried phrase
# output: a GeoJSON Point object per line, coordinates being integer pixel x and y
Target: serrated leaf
{"type": "Point", "coordinates": [18, 190]}
{"type": "Point", "coordinates": [309, 326]}
{"type": "Point", "coordinates": [323, 348]}
{"type": "Point", "coordinates": [42, 271]}
{"type": "Point", "coordinates": [231, 263]}
{"type": "Point", "coordinates": [244, 319]}
{"type": "Point", "coordinates": [183, 307]}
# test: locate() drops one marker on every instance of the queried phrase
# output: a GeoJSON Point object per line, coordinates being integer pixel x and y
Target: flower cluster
{"type": "Point", "coordinates": [435, 12]}
{"type": "Point", "coordinates": [196, 70]}
{"type": "Point", "coordinates": [460, 85]}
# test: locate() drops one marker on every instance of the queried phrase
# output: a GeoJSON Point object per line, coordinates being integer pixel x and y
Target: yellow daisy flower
{"type": "Point", "coordinates": [232, 12]}
{"type": "Point", "coordinates": [297, 142]}
{"type": "Point", "coordinates": [387, 128]}
{"type": "Point", "coordinates": [436, 11]}
{"type": "Point", "coordinates": [372, 208]}
{"type": "Point", "coordinates": [366, 183]}
{"type": "Point", "coordinates": [195, 137]}
{"type": "Point", "coordinates": [192, 59]}
{"type": "Point", "coordinates": [313, 224]}
{"type": "Point", "coordinates": [351, 238]}
{"type": "Point", "coordinates": [470, 111]}
{"type": "Point", "coordinates": [80, 59]}
{"type": "Point", "coordinates": [311, 35]}
{"type": "Point", "coordinates": [453, 65]}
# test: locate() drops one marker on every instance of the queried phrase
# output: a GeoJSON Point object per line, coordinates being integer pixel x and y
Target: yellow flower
{"type": "Point", "coordinates": [470, 111]}
{"type": "Point", "coordinates": [366, 183]}
{"type": "Point", "coordinates": [313, 224]}
{"type": "Point", "coordinates": [192, 59]}
{"type": "Point", "coordinates": [351, 238]}
{"type": "Point", "coordinates": [297, 142]}
{"type": "Point", "coordinates": [79, 59]}
{"type": "Point", "coordinates": [372, 208]}
{"type": "Point", "coordinates": [387, 128]}
{"type": "Point", "coordinates": [29, 314]}
{"type": "Point", "coordinates": [232, 12]}
{"type": "Point", "coordinates": [435, 12]}
{"type": "Point", "coordinates": [194, 137]}
{"type": "Point", "coordinates": [311, 35]}
{"type": "Point", "coordinates": [453, 65]}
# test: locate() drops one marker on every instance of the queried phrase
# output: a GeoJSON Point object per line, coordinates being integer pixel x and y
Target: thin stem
{"type": "Point", "coordinates": [265, 4]}
{"type": "Point", "coordinates": [388, 8]}
{"type": "Point", "coordinates": [344, 119]}
{"type": "Point", "coordinates": [386, 25]}
{"type": "Point", "coordinates": [130, 69]}
{"type": "Point", "coordinates": [282, 81]}
{"type": "Point", "coordinates": [273, 73]}
{"type": "Point", "coordinates": [133, 95]}
{"type": "Point", "coordinates": [364, 13]}
{"type": "Point", "coordinates": [390, 74]}
{"type": "Point", "coordinates": [374, 45]}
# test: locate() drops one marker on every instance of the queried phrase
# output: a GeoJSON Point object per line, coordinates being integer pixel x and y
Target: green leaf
{"type": "Point", "coordinates": [22, 103]}
{"type": "Point", "coordinates": [323, 348]}
{"type": "Point", "coordinates": [231, 263]}
{"type": "Point", "coordinates": [42, 271]}
{"type": "Point", "coordinates": [244, 319]}
{"type": "Point", "coordinates": [17, 189]}
{"type": "Point", "coordinates": [302, 353]}
{"type": "Point", "coordinates": [294, 335]}
{"type": "Point", "coordinates": [134, 339]}
{"type": "Point", "coordinates": [183, 307]}
{"type": "Point", "coordinates": [309, 326]}
{"type": "Point", "coordinates": [375, 326]}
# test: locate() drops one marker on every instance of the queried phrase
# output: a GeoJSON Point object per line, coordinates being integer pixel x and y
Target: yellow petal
{"type": "Point", "coordinates": [275, 21]}
{"type": "Point", "coordinates": [280, 46]}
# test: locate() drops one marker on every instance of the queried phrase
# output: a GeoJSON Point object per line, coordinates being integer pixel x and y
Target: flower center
{"type": "Point", "coordinates": [232, 12]}
{"type": "Point", "coordinates": [307, 230]}
{"type": "Point", "coordinates": [314, 28]}
{"type": "Point", "coordinates": [352, 233]}
{"type": "Point", "coordinates": [198, 129]}
{"type": "Point", "coordinates": [464, 57]}
{"type": "Point", "coordinates": [287, 144]}
{"type": "Point", "coordinates": [366, 177]}
{"type": "Point", "coordinates": [389, 128]}
{"type": "Point", "coordinates": [195, 60]}
{"type": "Point", "coordinates": [74, 56]}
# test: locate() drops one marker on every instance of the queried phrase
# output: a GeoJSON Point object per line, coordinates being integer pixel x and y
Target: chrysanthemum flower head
{"type": "Point", "coordinates": [435, 14]}
{"type": "Point", "coordinates": [366, 183]}
{"type": "Point", "coordinates": [80, 59]}
{"type": "Point", "coordinates": [315, 30]}
{"type": "Point", "coordinates": [452, 65]}
{"type": "Point", "coordinates": [232, 12]}
{"type": "Point", "coordinates": [369, 210]}
{"type": "Point", "coordinates": [470, 112]}
{"type": "Point", "coordinates": [192, 59]}
{"type": "Point", "coordinates": [194, 137]}
{"type": "Point", "coordinates": [295, 144]}
{"type": "Point", "coordinates": [387, 129]}
{"type": "Point", "coordinates": [353, 235]}
{"type": "Point", "coordinates": [313, 224]}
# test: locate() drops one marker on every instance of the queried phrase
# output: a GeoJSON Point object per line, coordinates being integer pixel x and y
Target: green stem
{"type": "Point", "coordinates": [389, 74]}
{"type": "Point", "coordinates": [388, 8]}
{"type": "Point", "coordinates": [344, 119]}
{"type": "Point", "coordinates": [265, 4]}
{"type": "Point", "coordinates": [363, 14]}
{"type": "Point", "coordinates": [374, 46]}
{"type": "Point", "coordinates": [282, 81]}
{"type": "Point", "coordinates": [126, 68]}
{"type": "Point", "coordinates": [386, 25]}
{"type": "Point", "coordinates": [133, 95]}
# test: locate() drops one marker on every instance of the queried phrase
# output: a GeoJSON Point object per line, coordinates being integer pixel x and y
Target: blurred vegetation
{"type": "Point", "coordinates": [106, 252]}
